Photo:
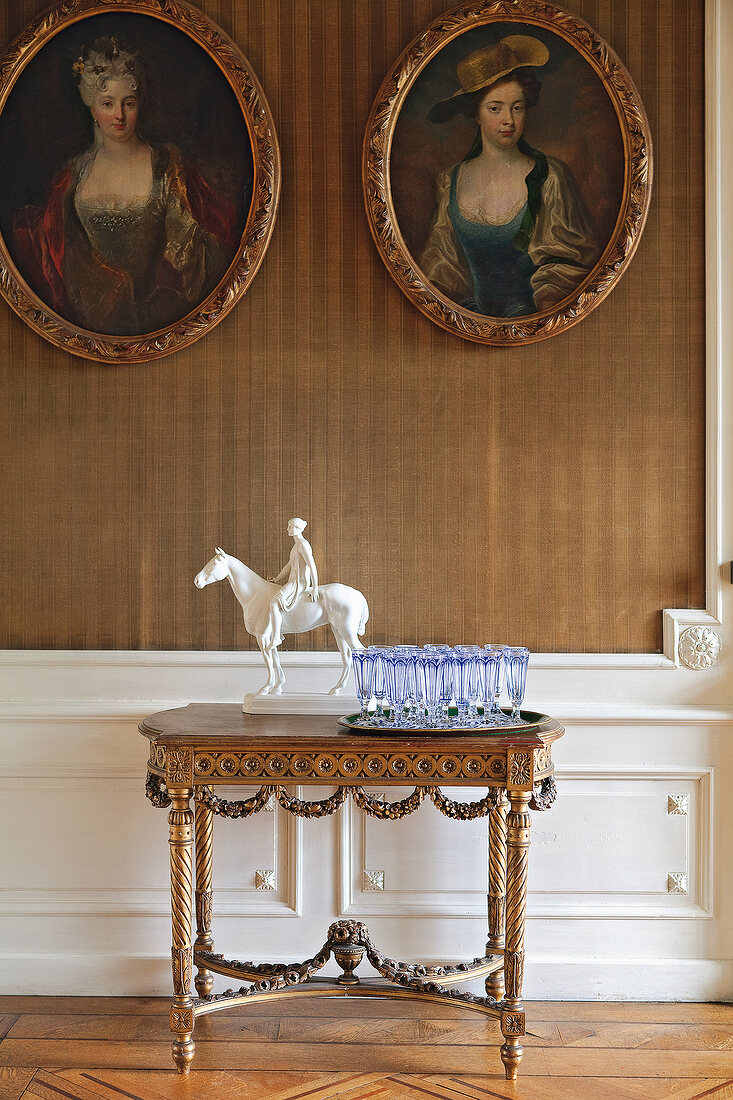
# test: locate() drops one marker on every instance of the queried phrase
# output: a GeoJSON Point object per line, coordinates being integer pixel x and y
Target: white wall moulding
{"type": "Point", "coordinates": [619, 871]}
{"type": "Point", "coordinates": [57, 831]}
{"type": "Point", "coordinates": [75, 684]}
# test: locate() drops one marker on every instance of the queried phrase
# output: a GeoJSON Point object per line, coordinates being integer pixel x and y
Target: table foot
{"type": "Point", "coordinates": [183, 1050]}
{"type": "Point", "coordinates": [511, 1056]}
{"type": "Point", "coordinates": [182, 1028]}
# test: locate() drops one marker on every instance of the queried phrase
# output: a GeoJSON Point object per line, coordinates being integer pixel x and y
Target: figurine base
{"type": "Point", "coordinates": [304, 703]}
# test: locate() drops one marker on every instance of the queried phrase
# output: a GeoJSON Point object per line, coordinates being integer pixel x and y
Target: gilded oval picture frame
{"type": "Point", "coordinates": [136, 222]}
{"type": "Point", "coordinates": [507, 170]}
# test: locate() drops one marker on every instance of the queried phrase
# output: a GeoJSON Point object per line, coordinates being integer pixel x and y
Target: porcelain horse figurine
{"type": "Point", "coordinates": [344, 609]}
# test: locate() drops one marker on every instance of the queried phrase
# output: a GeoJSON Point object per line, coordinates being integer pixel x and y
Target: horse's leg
{"type": "Point", "coordinates": [269, 684]}
{"type": "Point", "coordinates": [345, 651]}
{"type": "Point", "coordinates": [279, 674]}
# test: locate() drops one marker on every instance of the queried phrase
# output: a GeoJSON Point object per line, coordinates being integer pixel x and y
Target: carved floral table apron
{"type": "Point", "coordinates": [196, 748]}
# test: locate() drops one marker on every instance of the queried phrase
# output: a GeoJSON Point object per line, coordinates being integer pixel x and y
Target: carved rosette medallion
{"type": "Point", "coordinates": [699, 647]}
{"type": "Point", "coordinates": [179, 767]}
{"type": "Point", "coordinates": [221, 766]}
{"type": "Point", "coordinates": [512, 1023]}
{"type": "Point", "coordinates": [520, 769]}
{"type": "Point", "coordinates": [181, 1019]}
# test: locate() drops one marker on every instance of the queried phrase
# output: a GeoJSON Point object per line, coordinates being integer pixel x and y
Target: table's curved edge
{"type": "Point", "coordinates": [226, 723]}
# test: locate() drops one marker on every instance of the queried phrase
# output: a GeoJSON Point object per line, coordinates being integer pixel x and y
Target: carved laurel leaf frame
{"type": "Point", "coordinates": [265, 187]}
{"type": "Point", "coordinates": [637, 147]}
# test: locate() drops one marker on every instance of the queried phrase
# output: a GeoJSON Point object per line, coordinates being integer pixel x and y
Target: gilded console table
{"type": "Point", "coordinates": [196, 748]}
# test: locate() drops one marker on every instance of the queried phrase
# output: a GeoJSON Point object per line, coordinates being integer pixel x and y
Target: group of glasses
{"type": "Point", "coordinates": [439, 686]}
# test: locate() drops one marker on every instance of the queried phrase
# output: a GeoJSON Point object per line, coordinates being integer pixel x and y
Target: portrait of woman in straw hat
{"type": "Point", "coordinates": [511, 234]}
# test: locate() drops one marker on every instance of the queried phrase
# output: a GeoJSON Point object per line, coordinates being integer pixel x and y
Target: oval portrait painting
{"type": "Point", "coordinates": [139, 187]}
{"type": "Point", "coordinates": [507, 171]}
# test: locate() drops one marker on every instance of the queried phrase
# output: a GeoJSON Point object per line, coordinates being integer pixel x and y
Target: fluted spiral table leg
{"type": "Point", "coordinates": [180, 819]}
{"type": "Point", "coordinates": [497, 891]}
{"type": "Point", "coordinates": [204, 980]}
{"type": "Point", "coordinates": [512, 1018]}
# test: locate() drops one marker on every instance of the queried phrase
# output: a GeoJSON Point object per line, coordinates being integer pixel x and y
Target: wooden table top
{"type": "Point", "coordinates": [223, 725]}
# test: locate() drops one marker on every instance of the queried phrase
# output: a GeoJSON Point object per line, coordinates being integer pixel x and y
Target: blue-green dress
{"type": "Point", "coordinates": [500, 271]}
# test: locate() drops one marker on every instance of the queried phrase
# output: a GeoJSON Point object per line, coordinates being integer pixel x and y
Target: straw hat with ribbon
{"type": "Point", "coordinates": [486, 66]}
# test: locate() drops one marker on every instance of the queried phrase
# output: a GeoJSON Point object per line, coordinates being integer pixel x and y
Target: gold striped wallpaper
{"type": "Point", "coordinates": [551, 495]}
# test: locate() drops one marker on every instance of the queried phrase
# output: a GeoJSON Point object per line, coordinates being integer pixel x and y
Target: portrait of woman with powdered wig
{"type": "Point", "coordinates": [130, 235]}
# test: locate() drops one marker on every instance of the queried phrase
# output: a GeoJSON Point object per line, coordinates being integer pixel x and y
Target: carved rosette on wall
{"type": "Point", "coordinates": [699, 647]}
{"type": "Point", "coordinates": [401, 161]}
{"type": "Point", "coordinates": [46, 306]}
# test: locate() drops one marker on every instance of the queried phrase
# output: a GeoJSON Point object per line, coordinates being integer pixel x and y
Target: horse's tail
{"type": "Point", "coordinates": [364, 617]}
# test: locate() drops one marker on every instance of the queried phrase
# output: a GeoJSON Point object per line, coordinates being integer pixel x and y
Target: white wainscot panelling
{"type": "Point", "coordinates": [99, 848]}
{"type": "Point", "coordinates": [608, 848]}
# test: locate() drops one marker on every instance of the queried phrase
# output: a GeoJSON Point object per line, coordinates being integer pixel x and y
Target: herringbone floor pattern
{"type": "Point", "coordinates": [116, 1048]}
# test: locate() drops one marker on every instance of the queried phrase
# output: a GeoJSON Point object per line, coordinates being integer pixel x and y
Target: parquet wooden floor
{"type": "Point", "coordinates": [66, 1048]}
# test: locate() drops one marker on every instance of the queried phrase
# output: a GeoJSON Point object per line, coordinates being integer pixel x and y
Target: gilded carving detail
{"type": "Point", "coordinates": [181, 1019]}
{"type": "Point", "coordinates": [514, 972]}
{"type": "Point", "coordinates": [181, 962]}
{"type": "Point", "coordinates": [348, 765]}
{"type": "Point", "coordinates": [544, 794]}
{"type": "Point", "coordinates": [346, 941]}
{"type": "Point", "coordinates": [179, 766]}
{"type": "Point", "coordinates": [204, 763]}
{"type": "Point", "coordinates": [520, 769]}
{"type": "Point", "coordinates": [461, 811]}
{"type": "Point", "coordinates": [156, 791]}
{"type": "Point", "coordinates": [203, 911]}
{"type": "Point", "coordinates": [542, 759]}
{"type": "Point", "coordinates": [156, 759]}
{"type": "Point", "coordinates": [512, 1023]}
{"type": "Point", "coordinates": [372, 804]}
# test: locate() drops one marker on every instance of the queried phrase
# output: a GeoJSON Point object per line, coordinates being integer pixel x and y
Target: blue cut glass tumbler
{"type": "Point", "coordinates": [396, 667]}
{"type": "Point", "coordinates": [363, 662]}
{"type": "Point", "coordinates": [494, 680]}
{"type": "Point", "coordinates": [517, 659]}
{"type": "Point", "coordinates": [432, 664]}
{"type": "Point", "coordinates": [379, 680]}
